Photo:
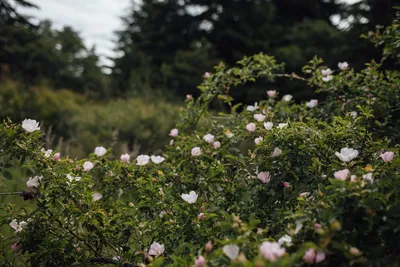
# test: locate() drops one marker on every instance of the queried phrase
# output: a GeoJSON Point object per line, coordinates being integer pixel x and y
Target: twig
{"type": "Point", "coordinates": [292, 75]}
{"type": "Point", "coordinates": [25, 194]}
{"type": "Point", "coordinates": [73, 234]}
{"type": "Point", "coordinates": [10, 193]}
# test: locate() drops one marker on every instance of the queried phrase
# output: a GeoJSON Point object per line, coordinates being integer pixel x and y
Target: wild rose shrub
{"type": "Point", "coordinates": [319, 184]}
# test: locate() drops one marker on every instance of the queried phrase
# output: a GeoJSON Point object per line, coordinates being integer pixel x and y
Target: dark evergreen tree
{"type": "Point", "coordinates": [363, 17]}
{"type": "Point", "coordinates": [36, 53]}
{"type": "Point", "coordinates": [164, 40]}
{"type": "Point", "coordinates": [160, 44]}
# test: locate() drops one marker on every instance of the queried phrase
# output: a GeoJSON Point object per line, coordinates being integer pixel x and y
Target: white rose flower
{"type": "Point", "coordinates": [157, 159]}
{"type": "Point", "coordinates": [34, 181]}
{"type": "Point", "coordinates": [196, 151]}
{"type": "Point", "coordinates": [286, 239]}
{"type": "Point", "coordinates": [47, 153]}
{"type": "Point", "coordinates": [343, 65]}
{"type": "Point", "coordinates": [368, 177]}
{"type": "Point", "coordinates": [282, 125]}
{"type": "Point", "coordinates": [347, 154]}
{"type": "Point", "coordinates": [312, 103]}
{"type": "Point", "coordinates": [268, 125]}
{"type": "Point", "coordinates": [327, 78]}
{"type": "Point", "coordinates": [209, 138]}
{"type": "Point", "coordinates": [97, 196]}
{"type": "Point", "coordinates": [231, 251]}
{"type": "Point", "coordinates": [18, 226]}
{"type": "Point", "coordinates": [287, 98]}
{"type": "Point", "coordinates": [190, 198]}
{"type": "Point", "coordinates": [326, 72]}
{"type": "Point", "coordinates": [30, 125]}
{"type": "Point", "coordinates": [156, 249]}
{"type": "Point", "coordinates": [259, 117]}
{"type": "Point", "coordinates": [72, 178]}
{"type": "Point", "coordinates": [252, 108]}
{"type": "Point", "coordinates": [100, 151]}
{"type": "Point", "coordinates": [142, 160]}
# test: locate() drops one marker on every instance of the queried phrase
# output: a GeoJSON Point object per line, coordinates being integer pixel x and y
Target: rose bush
{"type": "Point", "coordinates": [271, 184]}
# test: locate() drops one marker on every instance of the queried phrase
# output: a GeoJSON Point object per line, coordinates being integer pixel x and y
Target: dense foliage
{"type": "Point", "coordinates": [272, 184]}
{"type": "Point", "coordinates": [74, 123]}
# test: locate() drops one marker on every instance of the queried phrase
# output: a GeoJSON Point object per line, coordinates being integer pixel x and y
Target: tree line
{"type": "Point", "coordinates": [167, 45]}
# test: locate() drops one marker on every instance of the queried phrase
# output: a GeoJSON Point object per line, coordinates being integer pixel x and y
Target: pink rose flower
{"type": "Point", "coordinates": [251, 127]}
{"type": "Point", "coordinates": [201, 216]}
{"type": "Point", "coordinates": [174, 132]}
{"type": "Point", "coordinates": [258, 140]}
{"type": "Point", "coordinates": [87, 166]}
{"type": "Point", "coordinates": [342, 175]}
{"type": "Point", "coordinates": [216, 144]}
{"type": "Point", "coordinates": [387, 156]}
{"type": "Point", "coordinates": [200, 261]}
{"type": "Point", "coordinates": [125, 157]}
{"type": "Point", "coordinates": [276, 153]}
{"type": "Point", "coordinates": [264, 177]}
{"type": "Point", "coordinates": [271, 250]}
{"type": "Point", "coordinates": [271, 93]}
{"type": "Point", "coordinates": [208, 246]}
{"type": "Point", "coordinates": [311, 256]}
{"type": "Point", "coordinates": [16, 246]}
{"type": "Point", "coordinates": [57, 156]}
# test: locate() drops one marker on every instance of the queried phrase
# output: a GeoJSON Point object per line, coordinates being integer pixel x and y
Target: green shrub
{"type": "Point", "coordinates": [136, 124]}
{"type": "Point", "coordinates": [75, 124]}
{"type": "Point", "coordinates": [319, 186]}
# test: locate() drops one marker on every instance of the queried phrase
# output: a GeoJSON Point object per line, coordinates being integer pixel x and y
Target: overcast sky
{"type": "Point", "coordinates": [96, 20]}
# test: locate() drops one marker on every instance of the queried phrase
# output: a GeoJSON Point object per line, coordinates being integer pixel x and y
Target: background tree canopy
{"type": "Point", "coordinates": [165, 42]}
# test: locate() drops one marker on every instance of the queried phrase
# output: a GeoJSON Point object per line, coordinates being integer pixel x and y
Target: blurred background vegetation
{"type": "Point", "coordinates": [164, 48]}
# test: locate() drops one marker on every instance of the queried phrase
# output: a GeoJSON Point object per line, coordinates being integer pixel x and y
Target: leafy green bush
{"type": "Point", "coordinates": [75, 124]}
{"type": "Point", "coordinates": [319, 183]}
{"type": "Point", "coordinates": [136, 124]}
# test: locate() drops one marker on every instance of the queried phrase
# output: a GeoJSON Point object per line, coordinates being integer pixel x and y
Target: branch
{"type": "Point", "coordinates": [73, 233]}
{"type": "Point", "coordinates": [292, 75]}
{"type": "Point", "coordinates": [25, 194]}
